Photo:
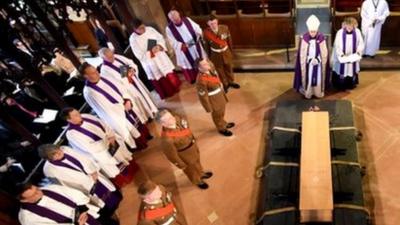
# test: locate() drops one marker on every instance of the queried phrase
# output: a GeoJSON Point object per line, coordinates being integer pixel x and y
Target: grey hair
{"type": "Point", "coordinates": [160, 114]}
{"type": "Point", "coordinates": [47, 150]}
{"type": "Point", "coordinates": [102, 52]}
{"type": "Point", "coordinates": [172, 11]}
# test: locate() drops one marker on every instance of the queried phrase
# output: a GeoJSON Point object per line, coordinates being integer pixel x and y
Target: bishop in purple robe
{"type": "Point", "coordinates": [312, 68]}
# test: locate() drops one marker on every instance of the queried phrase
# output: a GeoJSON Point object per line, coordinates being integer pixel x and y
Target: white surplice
{"type": "Point", "coordinates": [187, 38]}
{"type": "Point", "coordinates": [158, 66]}
{"type": "Point", "coordinates": [99, 149]}
{"type": "Point", "coordinates": [373, 16]}
{"type": "Point", "coordinates": [106, 72]}
{"type": "Point", "coordinates": [27, 217]}
{"type": "Point", "coordinates": [112, 113]}
{"type": "Point", "coordinates": [76, 178]}
{"type": "Point", "coordinates": [338, 51]}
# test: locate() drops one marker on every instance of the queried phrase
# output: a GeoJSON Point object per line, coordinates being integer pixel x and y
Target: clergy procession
{"type": "Point", "coordinates": [174, 99]}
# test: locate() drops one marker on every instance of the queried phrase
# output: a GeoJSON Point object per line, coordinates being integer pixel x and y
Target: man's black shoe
{"type": "Point", "coordinates": [207, 175]}
{"type": "Point", "coordinates": [234, 85]}
{"type": "Point", "coordinates": [203, 185]}
{"type": "Point", "coordinates": [230, 125]}
{"type": "Point", "coordinates": [225, 132]}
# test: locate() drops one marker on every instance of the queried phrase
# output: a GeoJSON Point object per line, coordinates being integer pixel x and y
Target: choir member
{"type": "Point", "coordinates": [90, 135]}
{"type": "Point", "coordinates": [185, 37]}
{"type": "Point", "coordinates": [150, 48]}
{"type": "Point", "coordinates": [312, 68]}
{"type": "Point", "coordinates": [56, 204]}
{"type": "Point", "coordinates": [373, 16]}
{"type": "Point", "coordinates": [347, 51]}
{"type": "Point", "coordinates": [125, 71]}
{"type": "Point", "coordinates": [113, 104]}
{"type": "Point", "coordinates": [79, 171]}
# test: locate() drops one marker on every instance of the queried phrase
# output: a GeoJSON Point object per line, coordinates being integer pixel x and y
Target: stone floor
{"type": "Point", "coordinates": [233, 196]}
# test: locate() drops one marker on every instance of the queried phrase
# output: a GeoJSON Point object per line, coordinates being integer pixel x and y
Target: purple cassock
{"type": "Point", "coordinates": [53, 215]}
{"type": "Point", "coordinates": [297, 83]}
{"type": "Point", "coordinates": [111, 199]}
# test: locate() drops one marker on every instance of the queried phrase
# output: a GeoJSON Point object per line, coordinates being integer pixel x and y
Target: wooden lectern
{"type": "Point", "coordinates": [316, 196]}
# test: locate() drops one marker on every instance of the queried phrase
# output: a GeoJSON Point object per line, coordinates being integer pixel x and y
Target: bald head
{"type": "Point", "coordinates": [174, 16]}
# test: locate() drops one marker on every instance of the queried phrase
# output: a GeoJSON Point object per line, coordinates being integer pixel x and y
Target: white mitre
{"type": "Point", "coordinates": [313, 23]}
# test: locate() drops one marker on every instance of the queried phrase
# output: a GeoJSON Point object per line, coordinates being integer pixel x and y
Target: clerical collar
{"type": "Point", "coordinates": [59, 160]}
{"type": "Point", "coordinates": [76, 125]}
{"type": "Point", "coordinates": [179, 24]}
{"type": "Point", "coordinates": [95, 82]}
{"type": "Point", "coordinates": [351, 32]}
{"type": "Point", "coordinates": [37, 202]}
{"type": "Point", "coordinates": [137, 33]}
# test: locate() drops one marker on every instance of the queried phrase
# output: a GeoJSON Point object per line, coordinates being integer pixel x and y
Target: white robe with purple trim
{"type": "Point", "coordinates": [338, 51]}
{"type": "Point", "coordinates": [112, 114]}
{"type": "Point", "coordinates": [98, 150]}
{"type": "Point", "coordinates": [107, 72]}
{"type": "Point", "coordinates": [158, 66]}
{"type": "Point", "coordinates": [372, 20]}
{"type": "Point", "coordinates": [27, 217]}
{"type": "Point", "coordinates": [181, 59]}
{"type": "Point", "coordinates": [77, 179]}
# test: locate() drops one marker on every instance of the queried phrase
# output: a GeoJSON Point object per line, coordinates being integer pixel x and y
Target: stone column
{"type": "Point", "coordinates": [150, 12]}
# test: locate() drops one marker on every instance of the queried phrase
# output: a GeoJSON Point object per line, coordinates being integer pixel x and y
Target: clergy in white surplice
{"type": "Point", "coordinates": [346, 55]}
{"type": "Point", "coordinates": [185, 37]}
{"type": "Point", "coordinates": [111, 101]}
{"type": "Point", "coordinates": [312, 67]}
{"type": "Point", "coordinates": [90, 135]}
{"type": "Point", "coordinates": [150, 48]}
{"type": "Point", "coordinates": [79, 171]}
{"type": "Point", "coordinates": [117, 66]}
{"type": "Point", "coordinates": [56, 204]}
{"type": "Point", "coordinates": [373, 16]}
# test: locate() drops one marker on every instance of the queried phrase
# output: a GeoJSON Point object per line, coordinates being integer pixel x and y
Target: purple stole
{"type": "Point", "coordinates": [112, 66]}
{"type": "Point", "coordinates": [314, 76]}
{"type": "Point", "coordinates": [354, 42]}
{"type": "Point", "coordinates": [298, 80]}
{"type": "Point", "coordinates": [99, 189]}
{"type": "Point", "coordinates": [50, 214]}
{"type": "Point", "coordinates": [85, 131]}
{"type": "Point", "coordinates": [179, 38]}
{"type": "Point", "coordinates": [103, 92]}
{"type": "Point", "coordinates": [130, 116]}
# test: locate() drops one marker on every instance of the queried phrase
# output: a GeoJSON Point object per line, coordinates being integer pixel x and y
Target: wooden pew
{"type": "Point", "coordinates": [316, 195]}
{"type": "Point", "coordinates": [257, 31]}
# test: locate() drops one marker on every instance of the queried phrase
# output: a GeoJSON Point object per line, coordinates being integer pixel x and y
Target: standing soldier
{"type": "Point", "coordinates": [184, 152]}
{"type": "Point", "coordinates": [157, 206]}
{"type": "Point", "coordinates": [211, 96]}
{"type": "Point", "coordinates": [219, 48]}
